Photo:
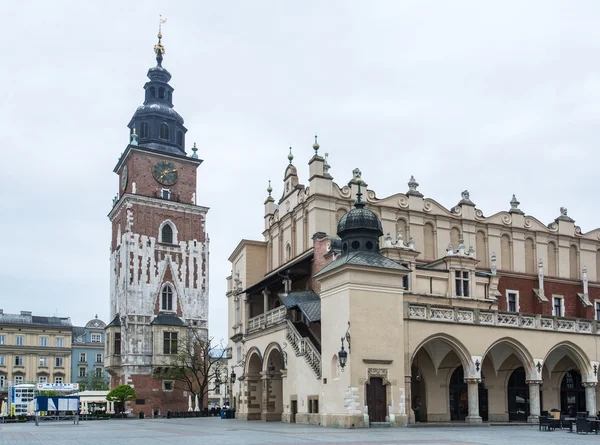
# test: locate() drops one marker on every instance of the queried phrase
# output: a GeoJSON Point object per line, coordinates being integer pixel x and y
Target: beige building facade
{"type": "Point", "coordinates": [34, 349]}
{"type": "Point", "coordinates": [443, 314]}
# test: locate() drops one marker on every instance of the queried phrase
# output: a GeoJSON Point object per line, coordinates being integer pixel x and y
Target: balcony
{"type": "Point", "coordinates": [271, 318]}
{"type": "Point", "coordinates": [501, 319]}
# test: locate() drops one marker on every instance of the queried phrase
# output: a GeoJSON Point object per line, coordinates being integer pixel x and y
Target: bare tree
{"type": "Point", "coordinates": [196, 363]}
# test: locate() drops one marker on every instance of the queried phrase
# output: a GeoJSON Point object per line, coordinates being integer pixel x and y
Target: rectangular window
{"type": "Point", "coordinates": [58, 380]}
{"type": "Point", "coordinates": [82, 371]}
{"type": "Point", "coordinates": [99, 357]}
{"type": "Point", "coordinates": [18, 360]}
{"type": "Point", "coordinates": [18, 379]}
{"type": "Point", "coordinates": [98, 372]}
{"type": "Point", "coordinates": [511, 301]}
{"type": "Point", "coordinates": [43, 379]}
{"type": "Point", "coordinates": [170, 343]}
{"type": "Point", "coordinates": [117, 343]}
{"type": "Point", "coordinates": [598, 310]}
{"type": "Point", "coordinates": [82, 357]}
{"type": "Point", "coordinates": [59, 362]}
{"type": "Point", "coordinates": [2, 340]}
{"type": "Point", "coordinates": [557, 307]}
{"type": "Point", "coordinates": [167, 385]}
{"type": "Point", "coordinates": [313, 404]}
{"type": "Point", "coordinates": [19, 340]}
{"type": "Point", "coordinates": [2, 360]}
{"type": "Point", "coordinates": [96, 338]}
{"type": "Point", "coordinates": [59, 342]}
{"type": "Point", "coordinates": [43, 362]}
{"type": "Point", "coordinates": [462, 283]}
{"type": "Point", "coordinates": [165, 194]}
{"type": "Point", "coordinates": [43, 341]}
{"type": "Point", "coordinates": [2, 380]}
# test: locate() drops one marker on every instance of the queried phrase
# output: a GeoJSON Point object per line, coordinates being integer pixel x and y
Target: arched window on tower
{"type": "Point", "coordinates": [167, 234]}
{"type": "Point", "coordinates": [167, 298]}
{"type": "Point", "coordinates": [180, 138]}
{"type": "Point", "coordinates": [161, 93]}
{"type": "Point", "coordinates": [153, 92]}
{"type": "Point", "coordinates": [169, 97]}
{"type": "Point", "coordinates": [164, 131]}
{"type": "Point", "coordinates": [145, 130]}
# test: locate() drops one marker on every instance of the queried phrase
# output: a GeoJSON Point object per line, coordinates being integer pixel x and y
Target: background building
{"type": "Point", "coordinates": [159, 251]}
{"type": "Point", "coordinates": [219, 386]}
{"type": "Point", "coordinates": [87, 357]}
{"type": "Point", "coordinates": [443, 313]}
{"type": "Point", "coordinates": [34, 349]}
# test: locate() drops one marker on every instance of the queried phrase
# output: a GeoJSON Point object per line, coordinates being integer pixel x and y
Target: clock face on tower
{"type": "Point", "coordinates": [165, 173]}
{"type": "Point", "coordinates": [124, 179]}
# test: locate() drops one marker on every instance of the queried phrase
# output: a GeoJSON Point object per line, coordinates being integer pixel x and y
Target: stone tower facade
{"type": "Point", "coordinates": [159, 251]}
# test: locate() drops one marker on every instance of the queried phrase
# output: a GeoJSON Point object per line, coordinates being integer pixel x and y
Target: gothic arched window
{"type": "Point", "coordinates": [145, 131]}
{"type": "Point", "coordinates": [167, 298]}
{"type": "Point", "coordinates": [167, 234]}
{"type": "Point", "coordinates": [164, 131]}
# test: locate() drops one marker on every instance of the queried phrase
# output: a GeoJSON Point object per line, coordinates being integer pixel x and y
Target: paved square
{"type": "Point", "coordinates": [219, 431]}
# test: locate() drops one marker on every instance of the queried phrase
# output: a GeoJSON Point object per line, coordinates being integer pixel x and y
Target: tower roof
{"type": "Point", "coordinates": [158, 125]}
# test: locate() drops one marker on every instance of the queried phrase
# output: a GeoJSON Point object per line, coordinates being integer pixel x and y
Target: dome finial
{"type": "Point", "coordinates": [159, 49]}
{"type": "Point", "coordinates": [290, 156]}
{"type": "Point", "coordinates": [359, 203]}
{"type": "Point", "coordinates": [316, 145]}
{"type": "Point", "coordinates": [195, 149]}
{"type": "Point", "coordinates": [269, 188]}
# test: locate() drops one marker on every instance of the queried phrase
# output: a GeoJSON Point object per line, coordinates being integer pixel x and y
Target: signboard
{"type": "Point", "coordinates": [58, 386]}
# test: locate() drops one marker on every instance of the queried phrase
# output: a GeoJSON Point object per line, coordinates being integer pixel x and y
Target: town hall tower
{"type": "Point", "coordinates": [159, 251]}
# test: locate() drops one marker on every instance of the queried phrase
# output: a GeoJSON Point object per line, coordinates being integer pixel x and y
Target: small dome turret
{"type": "Point", "coordinates": [360, 228]}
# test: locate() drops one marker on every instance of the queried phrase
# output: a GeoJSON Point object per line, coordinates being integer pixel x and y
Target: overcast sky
{"type": "Point", "coordinates": [495, 98]}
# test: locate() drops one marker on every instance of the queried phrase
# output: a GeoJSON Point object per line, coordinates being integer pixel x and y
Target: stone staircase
{"type": "Point", "coordinates": [304, 346]}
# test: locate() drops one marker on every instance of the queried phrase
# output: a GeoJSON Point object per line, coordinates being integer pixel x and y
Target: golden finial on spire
{"type": "Point", "coordinates": [159, 49]}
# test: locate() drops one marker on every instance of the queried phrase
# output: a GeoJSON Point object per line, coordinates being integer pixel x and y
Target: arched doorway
{"type": "Point", "coordinates": [432, 365]}
{"type": "Point", "coordinates": [272, 385]}
{"type": "Point", "coordinates": [376, 400]}
{"type": "Point", "coordinates": [253, 387]}
{"type": "Point", "coordinates": [459, 397]}
{"type": "Point", "coordinates": [572, 393]}
{"type": "Point", "coordinates": [518, 396]}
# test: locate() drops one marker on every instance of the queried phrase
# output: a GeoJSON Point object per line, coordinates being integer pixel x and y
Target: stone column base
{"type": "Point", "coordinates": [270, 417]}
{"type": "Point", "coordinates": [533, 419]}
{"type": "Point", "coordinates": [473, 419]}
{"type": "Point", "coordinates": [344, 421]}
{"type": "Point", "coordinates": [399, 420]}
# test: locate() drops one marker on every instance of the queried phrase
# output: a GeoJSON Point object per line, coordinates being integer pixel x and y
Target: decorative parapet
{"type": "Point", "coordinates": [501, 319]}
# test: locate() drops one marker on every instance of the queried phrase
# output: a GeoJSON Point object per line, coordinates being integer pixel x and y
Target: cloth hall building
{"type": "Point", "coordinates": [355, 309]}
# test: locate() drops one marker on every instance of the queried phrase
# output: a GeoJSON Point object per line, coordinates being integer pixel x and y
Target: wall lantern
{"type": "Point", "coordinates": [232, 375]}
{"type": "Point", "coordinates": [271, 370]}
{"type": "Point", "coordinates": [343, 355]}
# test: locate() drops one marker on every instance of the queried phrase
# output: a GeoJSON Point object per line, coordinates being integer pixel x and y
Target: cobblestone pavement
{"type": "Point", "coordinates": [215, 431]}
